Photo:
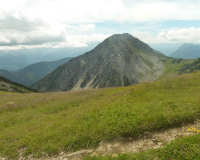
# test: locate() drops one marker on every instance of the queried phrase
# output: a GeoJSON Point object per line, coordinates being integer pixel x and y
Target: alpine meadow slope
{"type": "Point", "coordinates": [120, 60]}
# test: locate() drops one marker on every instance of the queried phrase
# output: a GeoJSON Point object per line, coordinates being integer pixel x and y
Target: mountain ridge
{"type": "Point", "coordinates": [10, 86]}
{"type": "Point", "coordinates": [32, 73]}
{"type": "Point", "coordinates": [187, 51]}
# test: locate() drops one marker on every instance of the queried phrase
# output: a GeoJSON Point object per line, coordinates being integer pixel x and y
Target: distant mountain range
{"type": "Point", "coordinates": [165, 48]}
{"type": "Point", "coordinates": [9, 86]}
{"type": "Point", "coordinates": [15, 60]}
{"type": "Point", "coordinates": [187, 51]}
{"type": "Point", "coordinates": [34, 72]}
{"type": "Point", "coordinates": [120, 60]}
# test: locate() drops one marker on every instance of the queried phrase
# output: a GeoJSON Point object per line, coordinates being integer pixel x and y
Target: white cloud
{"type": "Point", "coordinates": [81, 28]}
{"type": "Point", "coordinates": [90, 11]}
{"type": "Point", "coordinates": [82, 40]}
{"type": "Point", "coordinates": [162, 36]}
{"type": "Point", "coordinates": [18, 30]}
{"type": "Point", "coordinates": [145, 36]}
{"type": "Point", "coordinates": [67, 22]}
{"type": "Point", "coordinates": [180, 35]}
{"type": "Point", "coordinates": [87, 27]}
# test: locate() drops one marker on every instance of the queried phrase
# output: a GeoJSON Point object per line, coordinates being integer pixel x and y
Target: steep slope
{"type": "Point", "coordinates": [9, 86]}
{"type": "Point", "coordinates": [34, 72]}
{"type": "Point", "coordinates": [187, 51]}
{"type": "Point", "coordinates": [120, 60]}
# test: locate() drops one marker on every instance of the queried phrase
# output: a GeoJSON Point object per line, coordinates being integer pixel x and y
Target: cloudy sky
{"type": "Point", "coordinates": [75, 23]}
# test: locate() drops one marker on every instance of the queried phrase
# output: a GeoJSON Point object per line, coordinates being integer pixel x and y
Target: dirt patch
{"type": "Point", "coordinates": [144, 142]}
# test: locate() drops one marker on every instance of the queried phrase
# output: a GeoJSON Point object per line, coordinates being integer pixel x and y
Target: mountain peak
{"type": "Point", "coordinates": [187, 51]}
{"type": "Point", "coordinates": [120, 60]}
{"type": "Point", "coordinates": [124, 35]}
{"type": "Point", "coordinates": [123, 42]}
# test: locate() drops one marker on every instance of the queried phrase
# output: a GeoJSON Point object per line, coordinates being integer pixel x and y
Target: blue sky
{"type": "Point", "coordinates": [67, 23]}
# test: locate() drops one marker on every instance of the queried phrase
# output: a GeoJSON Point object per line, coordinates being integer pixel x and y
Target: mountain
{"type": "Point", "coordinates": [34, 72]}
{"type": "Point", "coordinates": [187, 51]}
{"type": "Point", "coordinates": [9, 86]}
{"type": "Point", "coordinates": [120, 60]}
{"type": "Point", "coordinates": [165, 48]}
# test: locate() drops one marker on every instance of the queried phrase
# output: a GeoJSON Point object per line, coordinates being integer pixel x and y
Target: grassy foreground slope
{"type": "Point", "coordinates": [69, 121]}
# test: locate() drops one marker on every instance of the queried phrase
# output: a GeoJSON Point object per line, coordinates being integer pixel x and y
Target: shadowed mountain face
{"type": "Point", "coordinates": [187, 51]}
{"type": "Point", "coordinates": [9, 86]}
{"type": "Point", "coordinates": [120, 60]}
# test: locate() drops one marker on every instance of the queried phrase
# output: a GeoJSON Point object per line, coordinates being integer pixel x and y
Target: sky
{"type": "Point", "coordinates": [76, 23]}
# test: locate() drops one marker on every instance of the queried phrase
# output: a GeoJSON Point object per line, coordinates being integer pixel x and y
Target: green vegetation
{"type": "Point", "coordinates": [191, 67]}
{"type": "Point", "coordinates": [148, 62]}
{"type": "Point", "coordinates": [177, 65]}
{"type": "Point", "coordinates": [9, 86]}
{"type": "Point", "coordinates": [68, 121]}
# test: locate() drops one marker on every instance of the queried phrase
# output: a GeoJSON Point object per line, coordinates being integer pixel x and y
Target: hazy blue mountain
{"type": "Point", "coordinates": [166, 48]}
{"type": "Point", "coordinates": [34, 72]}
{"type": "Point", "coordinates": [187, 51]}
{"type": "Point", "coordinates": [15, 60]}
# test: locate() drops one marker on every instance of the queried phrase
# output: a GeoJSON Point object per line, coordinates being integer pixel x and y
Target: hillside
{"type": "Point", "coordinates": [187, 51]}
{"type": "Point", "coordinates": [34, 72]}
{"type": "Point", "coordinates": [120, 60]}
{"type": "Point", "coordinates": [51, 123]}
{"type": "Point", "coordinates": [9, 86]}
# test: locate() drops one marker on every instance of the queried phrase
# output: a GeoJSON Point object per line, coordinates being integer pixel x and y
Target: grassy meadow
{"type": "Point", "coordinates": [68, 121]}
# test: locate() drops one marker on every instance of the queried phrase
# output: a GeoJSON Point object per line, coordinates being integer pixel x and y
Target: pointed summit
{"type": "Point", "coordinates": [120, 60]}
{"type": "Point", "coordinates": [187, 51]}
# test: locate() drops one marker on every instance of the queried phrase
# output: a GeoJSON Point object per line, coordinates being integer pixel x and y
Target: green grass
{"type": "Point", "coordinates": [187, 148]}
{"type": "Point", "coordinates": [176, 65]}
{"type": "Point", "coordinates": [69, 121]}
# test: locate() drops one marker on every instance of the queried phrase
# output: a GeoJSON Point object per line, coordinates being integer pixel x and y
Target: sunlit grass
{"type": "Point", "coordinates": [69, 121]}
{"type": "Point", "coordinates": [175, 65]}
